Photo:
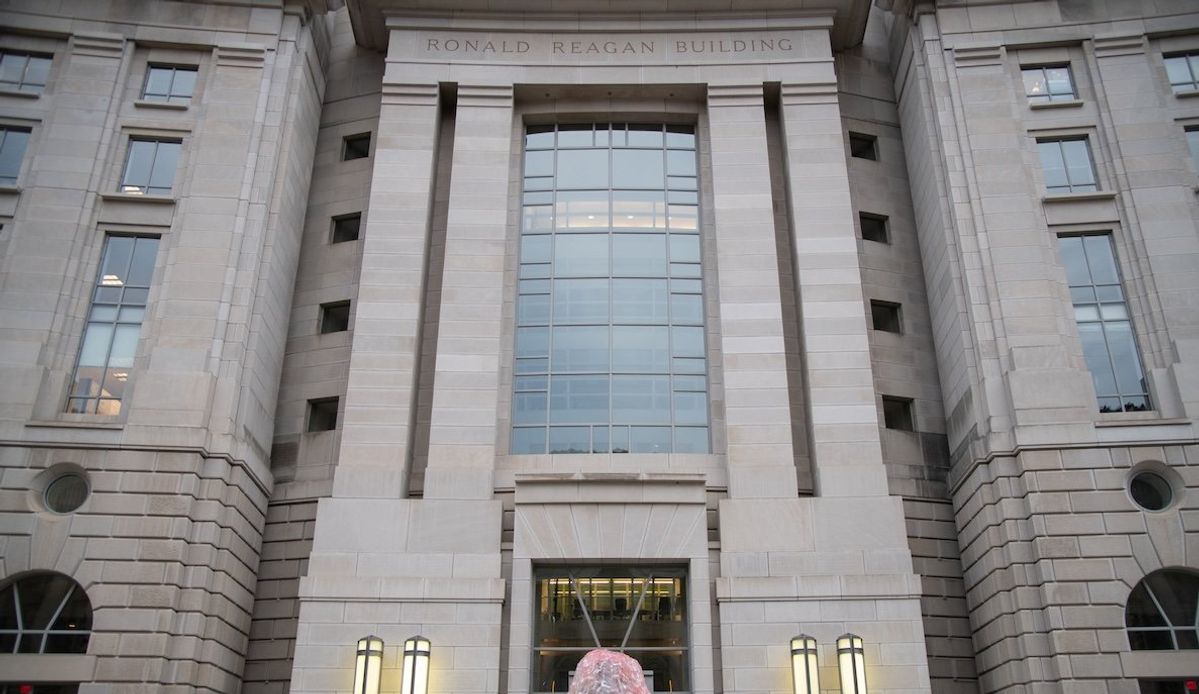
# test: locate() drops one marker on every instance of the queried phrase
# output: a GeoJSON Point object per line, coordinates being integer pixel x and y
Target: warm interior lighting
{"type": "Point", "coordinates": [416, 666]}
{"type": "Point", "coordinates": [367, 665]}
{"type": "Point", "coordinates": [805, 679]}
{"type": "Point", "coordinates": [851, 661]}
{"type": "Point", "coordinates": [112, 281]}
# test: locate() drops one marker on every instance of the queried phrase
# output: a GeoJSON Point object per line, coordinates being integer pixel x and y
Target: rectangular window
{"type": "Point", "coordinates": [1067, 165]}
{"type": "Point", "coordinates": [863, 146]}
{"type": "Point", "coordinates": [641, 611]}
{"type": "Point", "coordinates": [322, 415]}
{"type": "Point", "coordinates": [610, 348]}
{"type": "Point", "coordinates": [23, 72]}
{"type": "Point", "coordinates": [169, 84]}
{"type": "Point", "coordinates": [12, 151]}
{"type": "Point", "coordinates": [1048, 83]}
{"type": "Point", "coordinates": [1183, 71]}
{"type": "Point", "coordinates": [1104, 327]}
{"type": "Point", "coordinates": [1193, 144]}
{"type": "Point", "coordinates": [150, 166]}
{"type": "Point", "coordinates": [897, 413]}
{"type": "Point", "coordinates": [335, 317]}
{"type": "Point", "coordinates": [356, 147]}
{"type": "Point", "coordinates": [113, 324]}
{"type": "Point", "coordinates": [874, 227]}
{"type": "Point", "coordinates": [345, 228]}
{"type": "Point", "coordinates": [885, 316]}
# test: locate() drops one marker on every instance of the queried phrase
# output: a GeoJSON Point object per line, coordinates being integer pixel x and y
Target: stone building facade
{"type": "Point", "coordinates": [682, 327]}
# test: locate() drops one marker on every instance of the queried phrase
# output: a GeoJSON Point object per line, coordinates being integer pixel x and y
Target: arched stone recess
{"type": "Point", "coordinates": [621, 519]}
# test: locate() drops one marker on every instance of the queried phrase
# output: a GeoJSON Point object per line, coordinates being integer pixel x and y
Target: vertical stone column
{"type": "Point", "coordinates": [751, 324]}
{"type": "Point", "coordinates": [462, 430]}
{"type": "Point", "coordinates": [377, 420]}
{"type": "Point", "coordinates": [846, 454]}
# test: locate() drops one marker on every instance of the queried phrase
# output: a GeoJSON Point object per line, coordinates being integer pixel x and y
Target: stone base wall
{"type": "Point", "coordinates": [1052, 545]}
{"type": "Point", "coordinates": [286, 544]}
{"type": "Point", "coordinates": [166, 547]}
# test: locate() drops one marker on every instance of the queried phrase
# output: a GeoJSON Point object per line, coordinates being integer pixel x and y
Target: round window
{"type": "Point", "coordinates": [66, 493]}
{"type": "Point", "coordinates": [1150, 491]}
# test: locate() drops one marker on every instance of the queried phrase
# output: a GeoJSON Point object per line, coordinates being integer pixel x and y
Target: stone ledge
{"type": "Point", "coordinates": [1053, 198]}
{"type": "Point", "coordinates": [20, 94]}
{"type": "Point", "coordinates": [49, 667]}
{"type": "Point", "coordinates": [132, 197]}
{"type": "Point", "coordinates": [1042, 105]}
{"type": "Point", "coordinates": [610, 488]}
{"type": "Point", "coordinates": [1156, 663]}
{"type": "Point", "coordinates": [164, 105]}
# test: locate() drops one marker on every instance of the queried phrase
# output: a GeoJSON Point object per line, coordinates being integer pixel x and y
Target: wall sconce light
{"type": "Point", "coordinates": [851, 661]}
{"type": "Point", "coordinates": [416, 666]}
{"type": "Point", "coordinates": [804, 665]}
{"type": "Point", "coordinates": [368, 664]}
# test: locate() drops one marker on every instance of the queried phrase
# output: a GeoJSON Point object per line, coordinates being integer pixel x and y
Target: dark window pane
{"type": "Point", "coordinates": [885, 316]}
{"type": "Point", "coordinates": [346, 228]}
{"type": "Point", "coordinates": [356, 147]}
{"type": "Point", "coordinates": [863, 146]}
{"type": "Point", "coordinates": [322, 415]}
{"type": "Point", "coordinates": [897, 414]}
{"type": "Point", "coordinates": [335, 317]}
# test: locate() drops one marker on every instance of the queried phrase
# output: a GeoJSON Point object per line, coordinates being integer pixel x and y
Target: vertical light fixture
{"type": "Point", "coordinates": [368, 664]}
{"type": "Point", "coordinates": [806, 680]}
{"type": "Point", "coordinates": [851, 661]}
{"type": "Point", "coordinates": [416, 666]}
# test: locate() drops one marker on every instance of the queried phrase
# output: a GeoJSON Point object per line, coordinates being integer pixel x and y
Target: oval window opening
{"type": "Point", "coordinates": [66, 493]}
{"type": "Point", "coordinates": [1150, 491]}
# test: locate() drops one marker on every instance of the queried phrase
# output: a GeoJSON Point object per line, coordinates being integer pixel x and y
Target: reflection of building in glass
{"type": "Point", "coordinates": [442, 342]}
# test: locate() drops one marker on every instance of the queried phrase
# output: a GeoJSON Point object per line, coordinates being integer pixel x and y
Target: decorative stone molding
{"type": "Point", "coordinates": [810, 93]}
{"type": "Point", "coordinates": [409, 94]}
{"type": "Point", "coordinates": [734, 95]}
{"type": "Point", "coordinates": [1109, 45]}
{"type": "Point", "coordinates": [979, 55]}
{"type": "Point", "coordinates": [485, 95]}
{"type": "Point", "coordinates": [241, 55]}
{"type": "Point", "coordinates": [99, 45]}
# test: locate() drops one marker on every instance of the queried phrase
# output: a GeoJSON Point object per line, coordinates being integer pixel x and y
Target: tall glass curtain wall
{"type": "Point", "coordinates": [610, 354]}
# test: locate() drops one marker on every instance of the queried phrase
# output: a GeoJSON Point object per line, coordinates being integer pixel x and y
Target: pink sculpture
{"type": "Point", "coordinates": [608, 672]}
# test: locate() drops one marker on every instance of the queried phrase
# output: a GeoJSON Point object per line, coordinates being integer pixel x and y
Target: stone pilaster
{"type": "Point", "coordinates": [757, 407]}
{"type": "Point", "coordinates": [462, 432]}
{"type": "Point", "coordinates": [846, 452]}
{"type": "Point", "coordinates": [378, 412]}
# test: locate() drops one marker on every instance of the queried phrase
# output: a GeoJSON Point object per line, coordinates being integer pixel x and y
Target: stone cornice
{"type": "Point", "coordinates": [846, 19]}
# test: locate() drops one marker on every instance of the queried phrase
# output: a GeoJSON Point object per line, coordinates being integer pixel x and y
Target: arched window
{"type": "Point", "coordinates": [1163, 612]}
{"type": "Point", "coordinates": [44, 613]}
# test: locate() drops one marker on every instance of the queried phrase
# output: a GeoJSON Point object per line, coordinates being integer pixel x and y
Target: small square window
{"type": "Point", "coordinates": [322, 415]}
{"type": "Point", "coordinates": [1048, 83]}
{"type": "Point", "coordinates": [897, 413]}
{"type": "Point", "coordinates": [335, 317]}
{"type": "Point", "coordinates": [169, 84]}
{"type": "Point", "coordinates": [356, 147]}
{"type": "Point", "coordinates": [863, 146]}
{"type": "Point", "coordinates": [874, 227]}
{"type": "Point", "coordinates": [885, 316]}
{"type": "Point", "coordinates": [345, 227]}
